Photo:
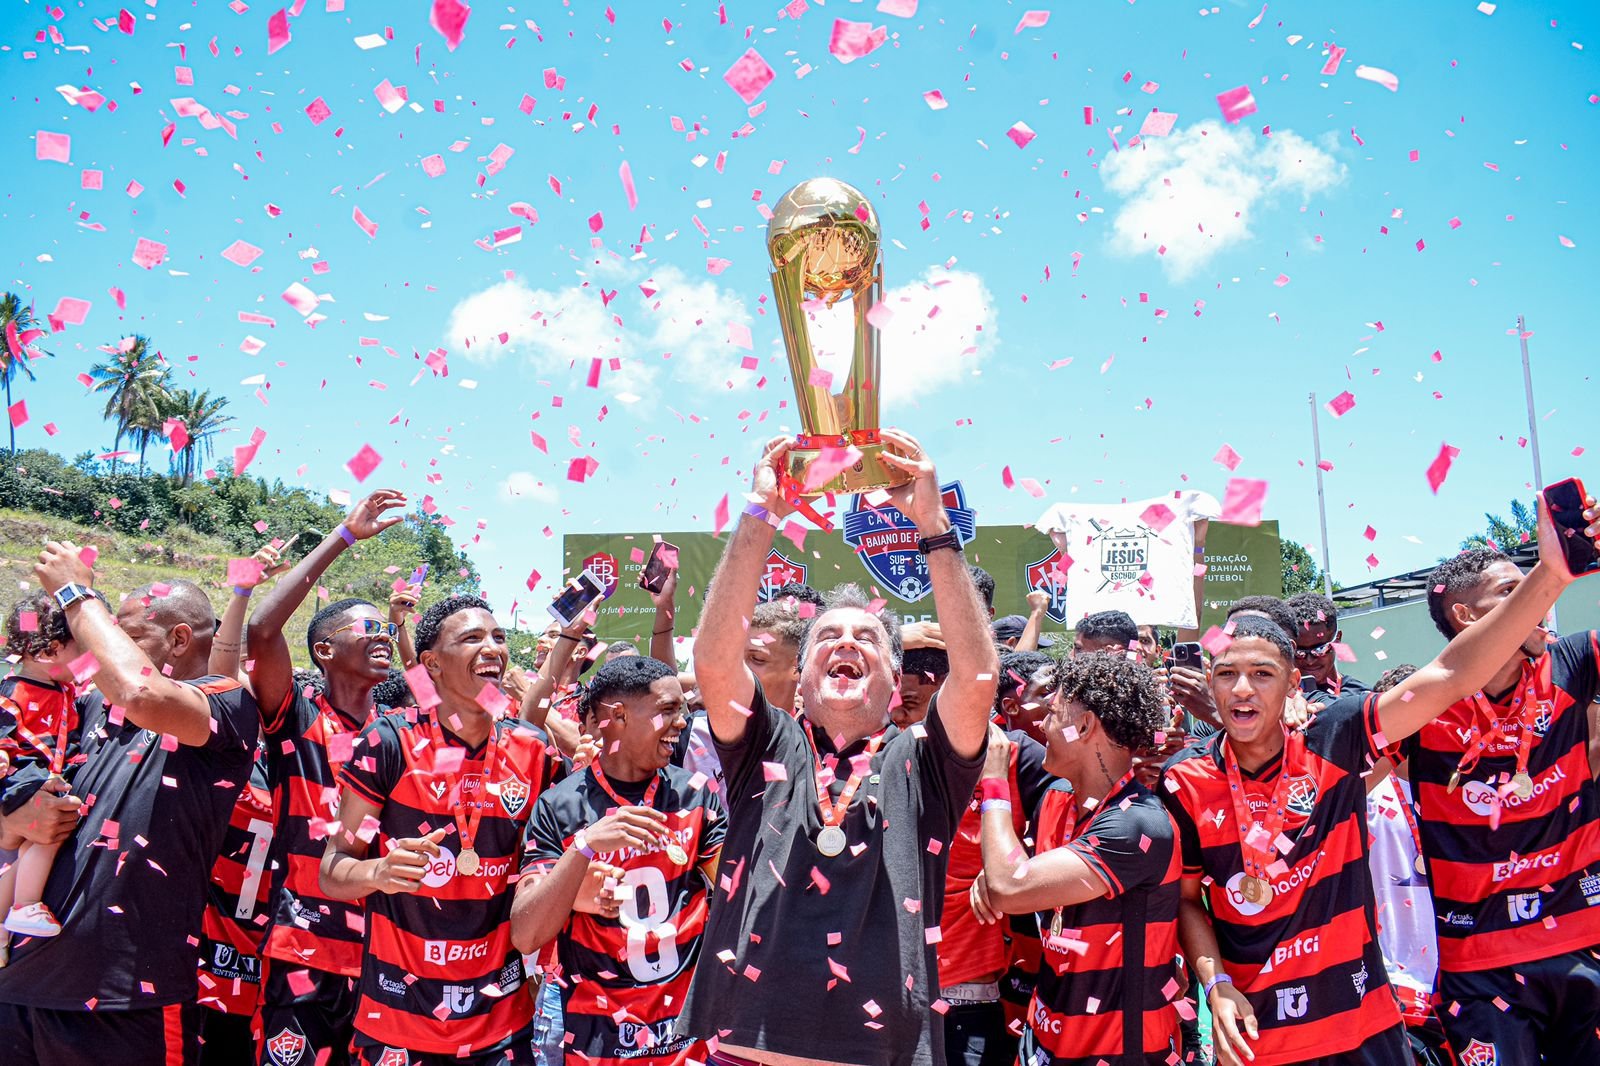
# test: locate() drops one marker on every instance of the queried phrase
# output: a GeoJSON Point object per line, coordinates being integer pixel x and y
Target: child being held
{"type": "Point", "coordinates": [39, 726]}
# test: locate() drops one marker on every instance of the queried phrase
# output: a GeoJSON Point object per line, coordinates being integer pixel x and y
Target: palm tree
{"type": "Point", "coordinates": [136, 383]}
{"type": "Point", "coordinates": [14, 312]}
{"type": "Point", "coordinates": [202, 417]}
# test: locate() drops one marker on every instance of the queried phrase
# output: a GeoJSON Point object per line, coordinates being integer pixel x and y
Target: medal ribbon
{"type": "Point", "coordinates": [649, 793]}
{"type": "Point", "coordinates": [833, 810]}
{"type": "Point", "coordinates": [468, 815]}
{"type": "Point", "coordinates": [1256, 862]}
{"type": "Point", "coordinates": [1070, 827]}
{"type": "Point", "coordinates": [1535, 678]}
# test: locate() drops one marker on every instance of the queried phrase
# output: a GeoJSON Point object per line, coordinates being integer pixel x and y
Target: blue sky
{"type": "Point", "coordinates": [1495, 105]}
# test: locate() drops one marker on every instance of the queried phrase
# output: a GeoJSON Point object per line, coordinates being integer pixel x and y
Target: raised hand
{"type": "Point", "coordinates": [370, 517]}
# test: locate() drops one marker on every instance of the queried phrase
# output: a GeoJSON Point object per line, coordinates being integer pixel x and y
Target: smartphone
{"type": "Point", "coordinates": [655, 572]}
{"type": "Point", "coordinates": [1188, 653]}
{"type": "Point", "coordinates": [1565, 500]}
{"type": "Point", "coordinates": [576, 597]}
{"type": "Point", "coordinates": [419, 575]}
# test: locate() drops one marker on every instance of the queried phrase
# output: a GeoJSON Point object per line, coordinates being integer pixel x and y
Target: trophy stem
{"type": "Point", "coordinates": [861, 391]}
{"type": "Point", "coordinates": [817, 411]}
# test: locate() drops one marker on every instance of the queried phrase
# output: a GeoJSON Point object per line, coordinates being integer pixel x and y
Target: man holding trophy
{"type": "Point", "coordinates": [831, 882]}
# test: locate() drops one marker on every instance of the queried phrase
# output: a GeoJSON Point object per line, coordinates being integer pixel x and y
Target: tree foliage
{"type": "Point", "coordinates": [1300, 571]}
{"type": "Point", "coordinates": [1522, 528]}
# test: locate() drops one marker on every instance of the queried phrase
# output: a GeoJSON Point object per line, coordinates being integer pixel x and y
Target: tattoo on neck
{"type": "Point", "coordinates": [1100, 757]}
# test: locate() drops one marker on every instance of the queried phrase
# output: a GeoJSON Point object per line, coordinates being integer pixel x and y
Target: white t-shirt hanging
{"type": "Point", "coordinates": [1134, 557]}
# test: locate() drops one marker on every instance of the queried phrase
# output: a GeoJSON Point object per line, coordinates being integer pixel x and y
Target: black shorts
{"type": "Point", "coordinates": [1388, 1048]}
{"type": "Point", "coordinates": [975, 1034]}
{"type": "Point", "coordinates": [313, 1026]}
{"type": "Point", "coordinates": [514, 1050]}
{"type": "Point", "coordinates": [227, 1039]}
{"type": "Point", "coordinates": [1550, 1010]}
{"type": "Point", "coordinates": [151, 1036]}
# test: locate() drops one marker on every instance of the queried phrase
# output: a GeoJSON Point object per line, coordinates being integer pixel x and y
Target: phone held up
{"type": "Point", "coordinates": [576, 597]}
{"type": "Point", "coordinates": [653, 578]}
{"type": "Point", "coordinates": [1565, 499]}
{"type": "Point", "coordinates": [1188, 653]}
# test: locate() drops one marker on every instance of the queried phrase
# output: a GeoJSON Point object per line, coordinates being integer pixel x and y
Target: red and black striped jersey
{"type": "Point", "coordinates": [1515, 879]}
{"type": "Point", "coordinates": [438, 972]}
{"type": "Point", "coordinates": [34, 715]}
{"type": "Point", "coordinates": [236, 899]}
{"type": "Point", "coordinates": [624, 979]}
{"type": "Point", "coordinates": [968, 949]}
{"type": "Point", "coordinates": [1308, 959]}
{"type": "Point", "coordinates": [1107, 989]}
{"type": "Point", "coordinates": [307, 742]}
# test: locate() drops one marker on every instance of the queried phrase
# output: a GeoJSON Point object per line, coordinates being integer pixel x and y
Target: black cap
{"type": "Point", "coordinates": [1010, 627]}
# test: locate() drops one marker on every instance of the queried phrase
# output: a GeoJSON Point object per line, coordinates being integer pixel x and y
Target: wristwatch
{"type": "Point", "coordinates": [948, 539]}
{"type": "Point", "coordinates": [71, 593]}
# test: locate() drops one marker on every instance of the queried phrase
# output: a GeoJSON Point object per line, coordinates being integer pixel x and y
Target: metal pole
{"type": "Point", "coordinates": [1322, 503]}
{"type": "Point", "coordinates": [1533, 425]}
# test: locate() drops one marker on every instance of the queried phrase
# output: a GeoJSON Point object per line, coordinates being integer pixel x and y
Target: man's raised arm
{"type": "Point", "coordinates": [726, 684]}
{"type": "Point", "coordinates": [271, 668]}
{"type": "Point", "coordinates": [1469, 661]}
{"type": "Point", "coordinates": [967, 694]}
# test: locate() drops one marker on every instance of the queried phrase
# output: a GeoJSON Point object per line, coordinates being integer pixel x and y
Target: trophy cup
{"type": "Point", "coordinates": [823, 241]}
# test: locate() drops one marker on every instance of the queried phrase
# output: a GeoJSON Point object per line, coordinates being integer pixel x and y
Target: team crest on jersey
{"type": "Point", "coordinates": [286, 1048]}
{"type": "Point", "coordinates": [1049, 575]}
{"type": "Point", "coordinates": [394, 1056]}
{"type": "Point", "coordinates": [514, 796]}
{"type": "Point", "coordinates": [1302, 795]}
{"type": "Point", "coordinates": [780, 571]}
{"type": "Point", "coordinates": [885, 541]}
{"type": "Point", "coordinates": [1543, 717]}
{"type": "Point", "coordinates": [1478, 1053]}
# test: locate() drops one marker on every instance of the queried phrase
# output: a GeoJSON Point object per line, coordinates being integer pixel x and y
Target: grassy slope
{"type": "Point", "coordinates": [125, 562]}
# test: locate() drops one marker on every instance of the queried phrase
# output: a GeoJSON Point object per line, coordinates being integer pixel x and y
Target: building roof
{"type": "Point", "coordinates": [1385, 592]}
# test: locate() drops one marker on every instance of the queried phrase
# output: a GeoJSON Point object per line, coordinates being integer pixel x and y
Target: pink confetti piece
{"type": "Point", "coordinates": [1242, 501]}
{"type": "Point", "coordinates": [902, 8]}
{"type": "Point", "coordinates": [363, 463]}
{"type": "Point", "coordinates": [125, 21]}
{"type": "Point", "coordinates": [391, 98]}
{"type": "Point", "coordinates": [1158, 516]}
{"type": "Point", "coordinates": [1335, 57]}
{"type": "Point", "coordinates": [318, 111]}
{"type": "Point", "coordinates": [935, 100]}
{"type": "Point", "coordinates": [300, 298]}
{"type": "Point", "coordinates": [1566, 242]}
{"type": "Point", "coordinates": [71, 311]}
{"type": "Point", "coordinates": [852, 40]}
{"type": "Point", "coordinates": [1281, 280]}
{"type": "Point", "coordinates": [449, 17]}
{"type": "Point", "coordinates": [739, 335]}
{"type": "Point", "coordinates": [18, 413]}
{"type": "Point", "coordinates": [1031, 20]}
{"type": "Point", "coordinates": [1439, 469]}
{"type": "Point", "coordinates": [92, 179]}
{"type": "Point", "coordinates": [1340, 404]}
{"type": "Point", "coordinates": [1158, 123]}
{"type": "Point", "coordinates": [277, 31]}
{"type": "Point", "coordinates": [1021, 133]}
{"type": "Point", "coordinates": [359, 217]}
{"type": "Point", "coordinates": [244, 572]}
{"type": "Point", "coordinates": [625, 172]}
{"type": "Point", "coordinates": [597, 222]}
{"type": "Point", "coordinates": [1236, 103]}
{"type": "Point", "coordinates": [749, 76]}
{"type": "Point", "coordinates": [1227, 457]}
{"type": "Point", "coordinates": [149, 254]}
{"type": "Point", "coordinates": [433, 166]}
{"type": "Point", "coordinates": [52, 147]}
{"type": "Point", "coordinates": [719, 517]}
{"type": "Point", "coordinates": [241, 253]}
{"type": "Point", "coordinates": [1378, 76]}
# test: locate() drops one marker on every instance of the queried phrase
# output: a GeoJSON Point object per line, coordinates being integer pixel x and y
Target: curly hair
{"type": "Point", "coordinates": [49, 625]}
{"type": "Point", "coordinates": [983, 581]}
{"type": "Point", "coordinates": [1124, 695]}
{"type": "Point", "coordinates": [394, 691]}
{"type": "Point", "coordinates": [426, 635]}
{"type": "Point", "coordinates": [1265, 629]}
{"type": "Point", "coordinates": [1455, 575]}
{"type": "Point", "coordinates": [800, 592]}
{"type": "Point", "coordinates": [1114, 626]}
{"type": "Point", "coordinates": [630, 675]}
{"type": "Point", "coordinates": [1393, 676]}
{"type": "Point", "coordinates": [1017, 670]}
{"type": "Point", "coordinates": [327, 620]}
{"type": "Point", "coordinates": [1312, 609]}
{"type": "Point", "coordinates": [1268, 606]}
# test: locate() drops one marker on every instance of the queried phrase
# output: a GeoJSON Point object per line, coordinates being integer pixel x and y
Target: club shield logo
{"type": "Point", "coordinates": [287, 1048]}
{"type": "Point", "coordinates": [513, 796]}
{"type": "Point", "coordinates": [1049, 575]}
{"type": "Point", "coordinates": [1302, 795]}
{"type": "Point", "coordinates": [1477, 1053]}
{"type": "Point", "coordinates": [780, 571]}
{"type": "Point", "coordinates": [885, 541]}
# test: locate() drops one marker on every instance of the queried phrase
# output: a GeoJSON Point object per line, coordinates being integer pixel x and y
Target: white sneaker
{"type": "Point", "coordinates": [33, 920]}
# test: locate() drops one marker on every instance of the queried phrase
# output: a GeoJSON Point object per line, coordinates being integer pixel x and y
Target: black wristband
{"type": "Point", "coordinates": [948, 539]}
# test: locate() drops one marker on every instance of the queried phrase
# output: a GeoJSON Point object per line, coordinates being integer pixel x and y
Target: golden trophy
{"type": "Point", "coordinates": [823, 241]}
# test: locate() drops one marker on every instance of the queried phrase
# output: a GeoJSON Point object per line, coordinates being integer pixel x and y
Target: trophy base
{"type": "Point", "coordinates": [869, 472]}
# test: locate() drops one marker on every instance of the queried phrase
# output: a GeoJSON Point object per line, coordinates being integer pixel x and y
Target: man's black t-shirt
{"type": "Point", "coordinates": [830, 958]}
{"type": "Point", "coordinates": [129, 884]}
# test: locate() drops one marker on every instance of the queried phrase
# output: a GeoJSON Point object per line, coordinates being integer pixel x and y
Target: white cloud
{"type": "Point", "coordinates": [522, 487]}
{"type": "Point", "coordinates": [1195, 191]}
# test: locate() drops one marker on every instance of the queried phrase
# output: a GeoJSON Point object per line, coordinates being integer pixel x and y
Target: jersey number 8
{"type": "Point", "coordinates": [654, 924]}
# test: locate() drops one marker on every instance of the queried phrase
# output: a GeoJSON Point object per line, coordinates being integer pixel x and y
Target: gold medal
{"type": "Point", "coordinates": [1055, 925]}
{"type": "Point", "coordinates": [468, 862]}
{"type": "Point", "coordinates": [677, 855]}
{"type": "Point", "coordinates": [1522, 785]}
{"type": "Point", "coordinates": [1455, 779]}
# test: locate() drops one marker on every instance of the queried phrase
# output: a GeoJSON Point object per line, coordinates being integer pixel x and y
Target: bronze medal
{"type": "Point", "coordinates": [1256, 890]}
{"type": "Point", "coordinates": [468, 862]}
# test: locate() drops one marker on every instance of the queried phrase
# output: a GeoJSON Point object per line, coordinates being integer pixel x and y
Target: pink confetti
{"type": "Point", "coordinates": [277, 31]}
{"type": "Point", "coordinates": [19, 414]}
{"type": "Point", "coordinates": [719, 518]}
{"type": "Point", "coordinates": [1281, 280]}
{"type": "Point", "coordinates": [1158, 516]}
{"type": "Point", "coordinates": [1227, 457]}
{"type": "Point", "coordinates": [1158, 123]}
{"type": "Point", "coordinates": [1242, 501]}
{"type": "Point", "coordinates": [52, 147]}
{"type": "Point", "coordinates": [391, 98]}
{"type": "Point", "coordinates": [1439, 469]}
{"type": "Point", "coordinates": [1031, 20]}
{"type": "Point", "coordinates": [902, 8]}
{"type": "Point", "coordinates": [1021, 134]}
{"type": "Point", "coordinates": [1379, 76]}
{"type": "Point", "coordinates": [125, 21]}
{"type": "Point", "coordinates": [749, 76]}
{"type": "Point", "coordinates": [363, 463]}
{"type": "Point", "coordinates": [1335, 57]}
{"type": "Point", "coordinates": [852, 40]}
{"type": "Point", "coordinates": [241, 253]}
{"type": "Point", "coordinates": [1340, 404]}
{"type": "Point", "coordinates": [149, 254]}
{"type": "Point", "coordinates": [935, 100]}
{"type": "Point", "coordinates": [369, 227]}
{"type": "Point", "coordinates": [625, 172]}
{"type": "Point", "coordinates": [1236, 103]}
{"type": "Point", "coordinates": [71, 311]}
{"type": "Point", "coordinates": [449, 17]}
{"type": "Point", "coordinates": [739, 335]}
{"type": "Point", "coordinates": [318, 111]}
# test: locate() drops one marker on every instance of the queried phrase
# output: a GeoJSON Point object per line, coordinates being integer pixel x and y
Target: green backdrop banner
{"type": "Point", "coordinates": [1240, 561]}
